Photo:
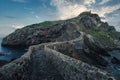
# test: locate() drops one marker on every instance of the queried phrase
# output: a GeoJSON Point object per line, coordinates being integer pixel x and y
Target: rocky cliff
{"type": "Point", "coordinates": [41, 62]}
{"type": "Point", "coordinates": [59, 31]}
{"type": "Point", "coordinates": [74, 49]}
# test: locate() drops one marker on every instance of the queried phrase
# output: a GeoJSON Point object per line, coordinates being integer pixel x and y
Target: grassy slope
{"type": "Point", "coordinates": [44, 24]}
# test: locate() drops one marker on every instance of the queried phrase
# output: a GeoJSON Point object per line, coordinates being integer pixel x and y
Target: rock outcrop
{"type": "Point", "coordinates": [3, 62]}
{"type": "Point", "coordinates": [44, 63]}
{"type": "Point", "coordinates": [32, 36]}
{"type": "Point", "coordinates": [61, 31]}
{"type": "Point", "coordinates": [115, 60]}
{"type": "Point", "coordinates": [68, 50]}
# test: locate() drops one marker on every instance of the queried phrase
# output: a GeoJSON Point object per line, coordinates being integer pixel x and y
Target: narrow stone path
{"type": "Point", "coordinates": [71, 41]}
{"type": "Point", "coordinates": [44, 63]}
{"type": "Point", "coordinates": [43, 69]}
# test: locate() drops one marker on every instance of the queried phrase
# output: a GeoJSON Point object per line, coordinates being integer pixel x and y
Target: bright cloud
{"type": "Point", "coordinates": [102, 11]}
{"type": "Point", "coordinates": [37, 17]}
{"type": "Point", "coordinates": [71, 11]}
{"type": "Point", "coordinates": [71, 8]}
{"type": "Point", "coordinates": [104, 1]}
{"type": "Point", "coordinates": [89, 2]}
{"type": "Point", "coordinates": [67, 9]}
{"type": "Point", "coordinates": [17, 26]}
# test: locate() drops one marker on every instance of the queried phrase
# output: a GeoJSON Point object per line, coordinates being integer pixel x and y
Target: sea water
{"type": "Point", "coordinates": [10, 53]}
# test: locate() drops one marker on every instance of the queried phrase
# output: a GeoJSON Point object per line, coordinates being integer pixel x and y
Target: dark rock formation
{"type": "Point", "coordinates": [97, 58]}
{"type": "Point", "coordinates": [32, 36]}
{"type": "Point", "coordinates": [3, 62]}
{"type": "Point", "coordinates": [65, 30]}
{"type": "Point", "coordinates": [90, 20]}
{"type": "Point", "coordinates": [94, 50]}
{"type": "Point", "coordinates": [92, 44]}
{"type": "Point", "coordinates": [43, 63]}
{"type": "Point", "coordinates": [105, 27]}
{"type": "Point", "coordinates": [2, 54]}
{"type": "Point", "coordinates": [114, 60]}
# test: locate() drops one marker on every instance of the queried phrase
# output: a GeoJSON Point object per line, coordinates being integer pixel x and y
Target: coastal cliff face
{"type": "Point", "coordinates": [61, 31]}
{"type": "Point", "coordinates": [44, 63]}
{"type": "Point", "coordinates": [73, 49]}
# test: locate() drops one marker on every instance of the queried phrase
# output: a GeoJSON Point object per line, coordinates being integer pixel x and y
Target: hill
{"type": "Point", "coordinates": [74, 49]}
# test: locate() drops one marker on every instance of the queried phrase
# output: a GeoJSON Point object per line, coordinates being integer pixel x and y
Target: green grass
{"type": "Point", "coordinates": [104, 38]}
{"type": "Point", "coordinates": [44, 24]}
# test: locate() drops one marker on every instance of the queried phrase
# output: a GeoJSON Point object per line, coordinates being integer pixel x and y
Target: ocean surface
{"type": "Point", "coordinates": [10, 53]}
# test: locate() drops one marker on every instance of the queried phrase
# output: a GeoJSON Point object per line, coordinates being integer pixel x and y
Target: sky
{"type": "Point", "coordinates": [19, 13]}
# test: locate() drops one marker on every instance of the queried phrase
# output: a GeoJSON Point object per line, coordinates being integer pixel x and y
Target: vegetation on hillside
{"type": "Point", "coordinates": [44, 24]}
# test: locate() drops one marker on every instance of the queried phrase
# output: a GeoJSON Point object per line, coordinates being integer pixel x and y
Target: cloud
{"type": "Point", "coordinates": [5, 30]}
{"type": "Point", "coordinates": [37, 17]}
{"type": "Point", "coordinates": [67, 9]}
{"type": "Point", "coordinates": [103, 10]}
{"type": "Point", "coordinates": [28, 8]}
{"type": "Point", "coordinates": [32, 12]}
{"type": "Point", "coordinates": [116, 14]}
{"type": "Point", "coordinates": [104, 1]}
{"type": "Point", "coordinates": [89, 2]}
{"type": "Point", "coordinates": [17, 26]}
{"type": "Point", "coordinates": [10, 17]}
{"type": "Point", "coordinates": [71, 11]}
{"type": "Point", "coordinates": [21, 1]}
